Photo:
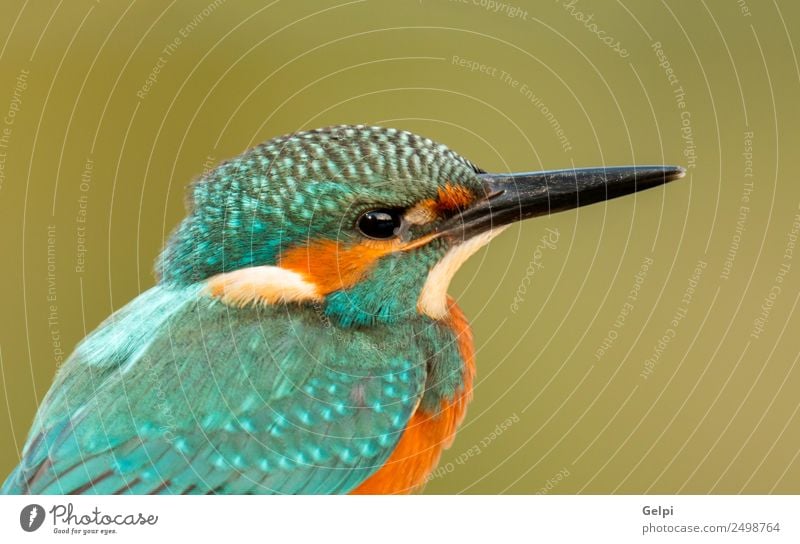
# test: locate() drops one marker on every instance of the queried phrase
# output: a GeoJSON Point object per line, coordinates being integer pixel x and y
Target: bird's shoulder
{"type": "Point", "coordinates": [265, 394]}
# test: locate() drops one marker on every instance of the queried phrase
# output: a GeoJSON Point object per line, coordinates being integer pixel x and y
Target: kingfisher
{"type": "Point", "coordinates": [300, 338]}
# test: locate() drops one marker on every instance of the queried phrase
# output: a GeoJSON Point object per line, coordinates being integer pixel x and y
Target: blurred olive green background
{"type": "Point", "coordinates": [110, 108]}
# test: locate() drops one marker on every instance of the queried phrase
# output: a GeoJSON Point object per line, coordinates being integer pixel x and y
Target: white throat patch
{"type": "Point", "coordinates": [433, 299]}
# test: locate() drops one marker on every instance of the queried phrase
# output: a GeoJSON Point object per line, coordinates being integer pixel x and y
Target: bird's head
{"type": "Point", "coordinates": [369, 223]}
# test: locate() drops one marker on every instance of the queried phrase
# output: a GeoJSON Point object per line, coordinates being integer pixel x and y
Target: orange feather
{"type": "Point", "coordinates": [452, 198]}
{"type": "Point", "coordinates": [332, 266]}
{"type": "Point", "coordinates": [427, 434]}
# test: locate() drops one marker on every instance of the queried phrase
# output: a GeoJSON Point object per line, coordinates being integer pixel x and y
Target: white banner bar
{"type": "Point", "coordinates": [399, 519]}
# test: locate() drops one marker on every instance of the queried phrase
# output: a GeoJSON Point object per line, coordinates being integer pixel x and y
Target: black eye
{"type": "Point", "coordinates": [380, 224]}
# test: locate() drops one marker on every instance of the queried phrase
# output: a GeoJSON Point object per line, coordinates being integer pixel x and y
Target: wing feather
{"type": "Point", "coordinates": [211, 399]}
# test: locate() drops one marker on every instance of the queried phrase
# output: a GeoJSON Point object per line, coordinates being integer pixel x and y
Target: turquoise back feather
{"type": "Point", "coordinates": [214, 399]}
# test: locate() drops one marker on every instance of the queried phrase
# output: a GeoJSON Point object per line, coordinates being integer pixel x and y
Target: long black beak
{"type": "Point", "coordinates": [514, 197]}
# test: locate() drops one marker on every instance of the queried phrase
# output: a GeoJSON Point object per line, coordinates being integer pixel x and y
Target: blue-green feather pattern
{"type": "Point", "coordinates": [304, 186]}
{"type": "Point", "coordinates": [179, 393]}
{"type": "Point", "coordinates": [221, 400]}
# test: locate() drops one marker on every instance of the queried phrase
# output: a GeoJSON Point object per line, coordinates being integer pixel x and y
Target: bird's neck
{"type": "Point", "coordinates": [432, 427]}
{"type": "Point", "coordinates": [387, 296]}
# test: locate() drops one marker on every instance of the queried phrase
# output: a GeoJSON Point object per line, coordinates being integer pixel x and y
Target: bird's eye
{"type": "Point", "coordinates": [380, 224]}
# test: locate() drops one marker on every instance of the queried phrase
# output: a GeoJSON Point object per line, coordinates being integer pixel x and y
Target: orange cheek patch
{"type": "Point", "coordinates": [331, 265]}
{"type": "Point", "coordinates": [449, 200]}
{"type": "Point", "coordinates": [452, 198]}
